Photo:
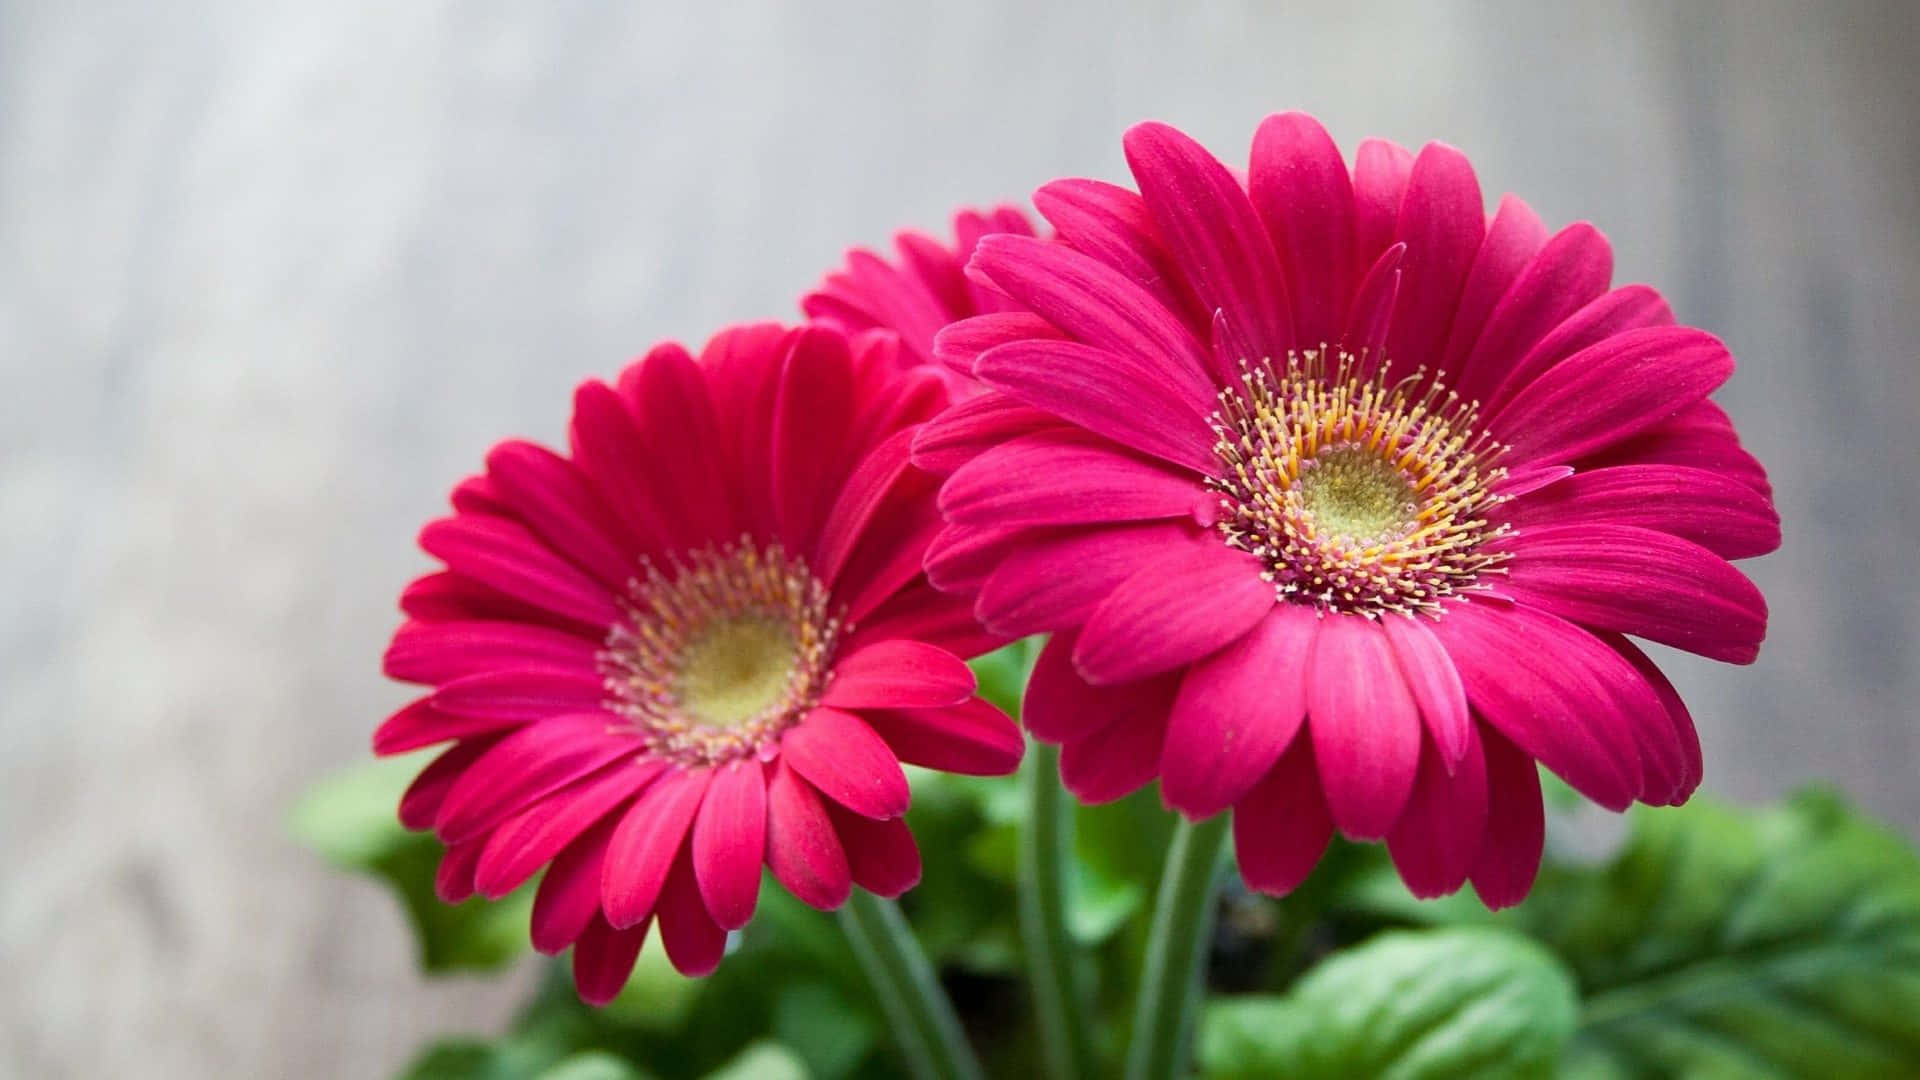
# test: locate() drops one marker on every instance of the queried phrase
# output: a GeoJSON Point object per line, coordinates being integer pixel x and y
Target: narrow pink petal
{"type": "Point", "coordinates": [1134, 403]}
{"type": "Point", "coordinates": [881, 855]}
{"type": "Point", "coordinates": [1610, 391]}
{"type": "Point", "coordinates": [1298, 183]}
{"type": "Point", "coordinates": [743, 367]}
{"type": "Point", "coordinates": [478, 495]}
{"type": "Point", "coordinates": [609, 452]}
{"type": "Point", "coordinates": [1057, 581]}
{"type": "Point", "coordinates": [1090, 301]}
{"type": "Point", "coordinates": [1700, 436]}
{"type": "Point", "coordinates": [1438, 835]}
{"type": "Point", "coordinates": [1442, 222]}
{"type": "Point", "coordinates": [890, 554]}
{"type": "Point", "coordinates": [877, 474]}
{"type": "Point", "coordinates": [920, 612]}
{"type": "Point", "coordinates": [958, 345]}
{"type": "Point", "coordinates": [1064, 479]}
{"type": "Point", "coordinates": [838, 753]}
{"type": "Point", "coordinates": [420, 804]}
{"type": "Point", "coordinates": [1201, 213]}
{"type": "Point", "coordinates": [522, 844]}
{"type": "Point", "coordinates": [973, 739]}
{"type": "Point", "coordinates": [1555, 691]}
{"type": "Point", "coordinates": [1434, 683]}
{"type": "Point", "coordinates": [431, 652]}
{"type": "Point", "coordinates": [1062, 707]}
{"type": "Point", "coordinates": [1630, 307]}
{"type": "Point", "coordinates": [811, 420]}
{"type": "Point", "coordinates": [1573, 269]}
{"type": "Point", "coordinates": [1513, 237]}
{"type": "Point", "coordinates": [1365, 726]}
{"type": "Point", "coordinates": [1687, 771]}
{"type": "Point", "coordinates": [1111, 224]}
{"type": "Point", "coordinates": [1185, 604]}
{"type": "Point", "coordinates": [961, 556]}
{"type": "Point", "coordinates": [730, 842]}
{"type": "Point", "coordinates": [898, 674]}
{"type": "Point", "coordinates": [1640, 582]}
{"type": "Point", "coordinates": [524, 766]}
{"type": "Point", "coordinates": [568, 899]}
{"type": "Point", "coordinates": [453, 880]}
{"type": "Point", "coordinates": [524, 694]}
{"type": "Point", "coordinates": [1371, 315]}
{"type": "Point", "coordinates": [1380, 172]}
{"type": "Point", "coordinates": [973, 427]}
{"type": "Point", "coordinates": [646, 842]}
{"type": "Point", "coordinates": [507, 557]}
{"type": "Point", "coordinates": [1237, 710]}
{"type": "Point", "coordinates": [548, 493]}
{"type": "Point", "coordinates": [1720, 513]}
{"type": "Point", "coordinates": [603, 960]}
{"type": "Point", "coordinates": [449, 597]}
{"type": "Point", "coordinates": [682, 433]}
{"type": "Point", "coordinates": [420, 724]}
{"type": "Point", "coordinates": [1281, 827]}
{"type": "Point", "coordinates": [1116, 760]}
{"type": "Point", "coordinates": [803, 851]}
{"type": "Point", "coordinates": [694, 942]}
{"type": "Point", "coordinates": [904, 399]}
{"type": "Point", "coordinates": [1509, 855]}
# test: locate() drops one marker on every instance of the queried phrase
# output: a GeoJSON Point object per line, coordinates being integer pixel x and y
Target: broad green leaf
{"type": "Point", "coordinates": [349, 819]}
{"type": "Point", "coordinates": [1406, 1005]}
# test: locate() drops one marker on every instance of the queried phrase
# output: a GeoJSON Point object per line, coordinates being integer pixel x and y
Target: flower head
{"type": "Point", "coordinates": [1340, 497]}
{"type": "Point", "coordinates": [698, 643]}
{"type": "Point", "coordinates": [923, 290]}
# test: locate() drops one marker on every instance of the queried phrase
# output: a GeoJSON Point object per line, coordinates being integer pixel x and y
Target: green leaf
{"type": "Point", "coordinates": [1785, 943]}
{"type": "Point", "coordinates": [1408, 1004]}
{"type": "Point", "coordinates": [762, 1061]}
{"type": "Point", "coordinates": [826, 1030]}
{"type": "Point", "coordinates": [349, 819]}
{"type": "Point", "coordinates": [594, 1065]}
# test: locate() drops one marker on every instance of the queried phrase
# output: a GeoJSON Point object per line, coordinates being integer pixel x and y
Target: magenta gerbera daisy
{"type": "Point", "coordinates": [698, 643]}
{"type": "Point", "coordinates": [920, 292]}
{"type": "Point", "coordinates": [1341, 498]}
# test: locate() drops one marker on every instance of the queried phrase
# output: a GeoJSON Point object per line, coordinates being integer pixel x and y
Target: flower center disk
{"type": "Point", "coordinates": [720, 653]}
{"type": "Point", "coordinates": [1360, 494]}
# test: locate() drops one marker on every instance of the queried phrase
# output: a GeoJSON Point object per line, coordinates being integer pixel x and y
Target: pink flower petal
{"type": "Point", "coordinates": [1237, 710]}
{"type": "Point", "coordinates": [420, 804]}
{"type": "Point", "coordinates": [1373, 302]}
{"type": "Point", "coordinates": [1610, 391]}
{"type": "Point", "coordinates": [1115, 760]}
{"type": "Point", "coordinates": [974, 739]}
{"type": "Point", "coordinates": [453, 880]}
{"type": "Point", "coordinates": [1513, 237]}
{"type": "Point", "coordinates": [839, 754]}
{"type": "Point", "coordinates": [1365, 726]}
{"type": "Point", "coordinates": [803, 851]}
{"type": "Point", "coordinates": [920, 612]}
{"type": "Point", "coordinates": [1056, 581]}
{"type": "Point", "coordinates": [958, 345]}
{"type": "Point", "coordinates": [1298, 183]}
{"type": "Point", "coordinates": [1434, 683]}
{"type": "Point", "coordinates": [1111, 224]}
{"type": "Point", "coordinates": [522, 844]}
{"type": "Point", "coordinates": [730, 842]}
{"type": "Point", "coordinates": [1064, 478]}
{"type": "Point", "coordinates": [603, 960]}
{"type": "Point", "coordinates": [973, 427]}
{"type": "Point", "coordinates": [898, 674]}
{"type": "Point", "coordinates": [1641, 582]}
{"type": "Point", "coordinates": [548, 493]}
{"type": "Point", "coordinates": [1671, 740]}
{"type": "Point", "coordinates": [505, 556]}
{"type": "Point", "coordinates": [1442, 222]}
{"type": "Point", "coordinates": [882, 855]}
{"type": "Point", "coordinates": [681, 431]}
{"type": "Point", "coordinates": [811, 420]}
{"type": "Point", "coordinates": [420, 724]}
{"type": "Point", "coordinates": [1380, 172]}
{"type": "Point", "coordinates": [1721, 514]}
{"type": "Point", "coordinates": [693, 941]}
{"type": "Point", "coordinates": [1184, 605]}
{"type": "Point", "coordinates": [1630, 307]}
{"type": "Point", "coordinates": [1282, 826]}
{"type": "Point", "coordinates": [1134, 403]}
{"type": "Point", "coordinates": [961, 556]}
{"type": "Point", "coordinates": [1062, 707]}
{"type": "Point", "coordinates": [1439, 834]}
{"type": "Point", "coordinates": [610, 453]}
{"type": "Point", "coordinates": [526, 694]}
{"type": "Point", "coordinates": [436, 652]}
{"type": "Point", "coordinates": [1573, 269]}
{"type": "Point", "coordinates": [1202, 215]}
{"type": "Point", "coordinates": [873, 479]}
{"type": "Point", "coordinates": [1699, 437]}
{"type": "Point", "coordinates": [647, 841]}
{"type": "Point", "coordinates": [1555, 691]}
{"type": "Point", "coordinates": [1509, 855]}
{"type": "Point", "coordinates": [524, 766]}
{"type": "Point", "coordinates": [568, 899]}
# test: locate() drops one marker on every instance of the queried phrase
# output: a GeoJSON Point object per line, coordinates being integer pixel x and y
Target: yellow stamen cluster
{"type": "Point", "coordinates": [1361, 494]}
{"type": "Point", "coordinates": [720, 653]}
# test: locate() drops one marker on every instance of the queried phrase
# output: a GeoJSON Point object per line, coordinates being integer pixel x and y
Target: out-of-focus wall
{"type": "Point", "coordinates": [273, 277]}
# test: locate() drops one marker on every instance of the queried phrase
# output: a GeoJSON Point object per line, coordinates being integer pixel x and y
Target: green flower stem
{"type": "Point", "coordinates": [1176, 946]}
{"type": "Point", "coordinates": [1046, 851]}
{"type": "Point", "coordinates": [915, 1005]}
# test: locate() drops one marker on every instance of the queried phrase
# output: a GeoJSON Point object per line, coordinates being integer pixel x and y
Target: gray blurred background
{"type": "Point", "coordinates": [272, 279]}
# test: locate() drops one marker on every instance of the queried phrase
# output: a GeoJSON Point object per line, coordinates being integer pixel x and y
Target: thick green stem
{"type": "Point", "coordinates": [1046, 853]}
{"type": "Point", "coordinates": [1176, 946]}
{"type": "Point", "coordinates": [917, 1008]}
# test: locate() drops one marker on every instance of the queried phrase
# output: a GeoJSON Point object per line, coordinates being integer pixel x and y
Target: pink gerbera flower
{"type": "Point", "coordinates": [699, 643]}
{"type": "Point", "coordinates": [1339, 497]}
{"type": "Point", "coordinates": [924, 290]}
